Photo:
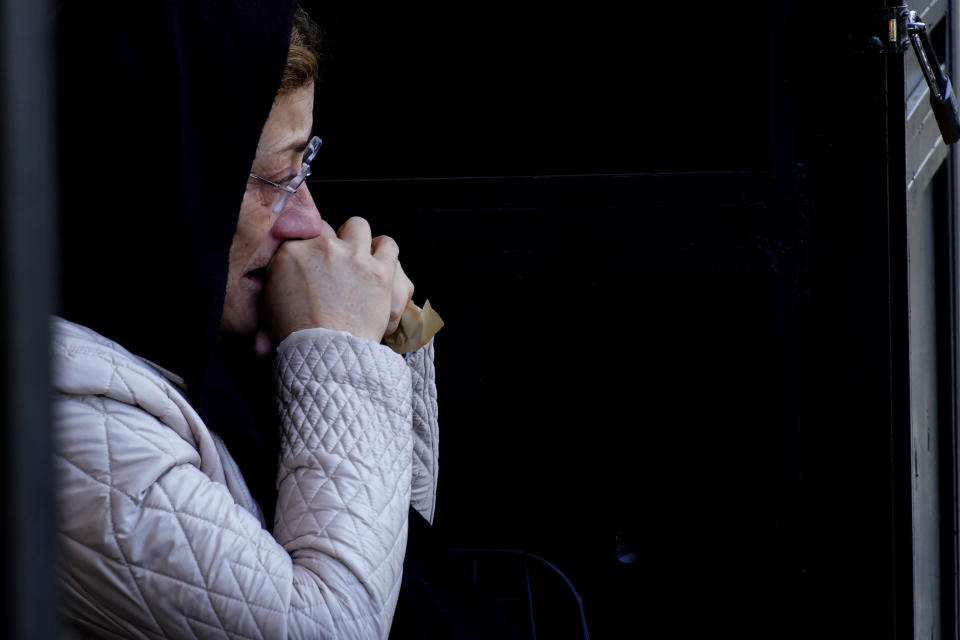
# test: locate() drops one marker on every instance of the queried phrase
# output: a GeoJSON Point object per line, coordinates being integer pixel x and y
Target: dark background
{"type": "Point", "coordinates": [587, 196]}
{"type": "Point", "coordinates": [658, 239]}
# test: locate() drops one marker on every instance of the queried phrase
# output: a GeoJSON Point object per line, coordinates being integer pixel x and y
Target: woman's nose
{"type": "Point", "coordinates": [300, 218]}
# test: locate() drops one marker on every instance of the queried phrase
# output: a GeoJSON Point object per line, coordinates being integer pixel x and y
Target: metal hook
{"type": "Point", "coordinates": [942, 98]}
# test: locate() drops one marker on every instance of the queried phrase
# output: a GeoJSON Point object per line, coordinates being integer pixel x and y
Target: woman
{"type": "Point", "coordinates": [169, 298]}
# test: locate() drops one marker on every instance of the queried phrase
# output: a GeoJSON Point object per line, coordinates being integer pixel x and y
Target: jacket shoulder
{"type": "Point", "coordinates": [98, 385]}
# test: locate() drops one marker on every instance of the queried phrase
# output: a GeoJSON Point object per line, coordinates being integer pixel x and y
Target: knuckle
{"type": "Point", "coordinates": [357, 221]}
{"type": "Point", "coordinates": [326, 230]}
{"type": "Point", "coordinates": [388, 243]}
{"type": "Point", "coordinates": [383, 273]}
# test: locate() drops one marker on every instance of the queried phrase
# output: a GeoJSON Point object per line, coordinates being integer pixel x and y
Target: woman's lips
{"type": "Point", "coordinates": [259, 274]}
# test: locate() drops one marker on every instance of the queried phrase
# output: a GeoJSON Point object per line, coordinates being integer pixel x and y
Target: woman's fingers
{"type": "Point", "coordinates": [385, 248]}
{"type": "Point", "coordinates": [402, 294]}
{"type": "Point", "coordinates": [347, 281]}
{"type": "Point", "coordinates": [356, 232]}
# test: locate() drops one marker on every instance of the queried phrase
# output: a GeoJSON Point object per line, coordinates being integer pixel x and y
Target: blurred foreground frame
{"type": "Point", "coordinates": [29, 190]}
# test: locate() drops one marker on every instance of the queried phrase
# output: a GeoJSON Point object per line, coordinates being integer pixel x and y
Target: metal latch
{"type": "Point", "coordinates": [902, 27]}
{"type": "Point", "coordinates": [942, 98]}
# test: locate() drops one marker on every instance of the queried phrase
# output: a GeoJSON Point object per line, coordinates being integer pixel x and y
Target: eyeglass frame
{"type": "Point", "coordinates": [291, 186]}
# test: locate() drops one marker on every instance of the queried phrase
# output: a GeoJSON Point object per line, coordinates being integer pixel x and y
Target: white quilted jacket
{"type": "Point", "coordinates": [159, 536]}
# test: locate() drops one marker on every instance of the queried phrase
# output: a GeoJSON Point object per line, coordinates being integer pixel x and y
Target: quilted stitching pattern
{"type": "Point", "coordinates": [426, 431]}
{"type": "Point", "coordinates": [155, 558]}
{"type": "Point", "coordinates": [153, 548]}
{"type": "Point", "coordinates": [345, 468]}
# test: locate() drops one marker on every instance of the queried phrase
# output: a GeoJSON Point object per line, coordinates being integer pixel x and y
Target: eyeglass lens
{"type": "Point", "coordinates": [308, 155]}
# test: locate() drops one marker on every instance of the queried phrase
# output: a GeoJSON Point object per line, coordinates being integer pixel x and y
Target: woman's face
{"type": "Point", "coordinates": [260, 232]}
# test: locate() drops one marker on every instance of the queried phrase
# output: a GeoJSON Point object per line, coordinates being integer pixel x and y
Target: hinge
{"type": "Point", "coordinates": [888, 33]}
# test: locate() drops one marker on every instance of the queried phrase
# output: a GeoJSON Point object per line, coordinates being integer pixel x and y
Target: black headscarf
{"type": "Point", "coordinates": [161, 105]}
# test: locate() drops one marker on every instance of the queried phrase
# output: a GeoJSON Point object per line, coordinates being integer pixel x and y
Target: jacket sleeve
{"type": "Point", "coordinates": [152, 548]}
{"type": "Point", "coordinates": [426, 431]}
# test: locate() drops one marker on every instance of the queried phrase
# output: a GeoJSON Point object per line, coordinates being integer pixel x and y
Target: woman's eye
{"type": "Point", "coordinates": [281, 177]}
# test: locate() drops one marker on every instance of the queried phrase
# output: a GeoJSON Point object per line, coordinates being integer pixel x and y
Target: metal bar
{"type": "Point", "coordinates": [29, 196]}
{"type": "Point", "coordinates": [919, 46]}
{"type": "Point", "coordinates": [947, 242]}
{"type": "Point", "coordinates": [554, 568]}
{"type": "Point", "coordinates": [946, 295]}
{"type": "Point", "coordinates": [894, 135]}
{"type": "Point", "coordinates": [533, 621]}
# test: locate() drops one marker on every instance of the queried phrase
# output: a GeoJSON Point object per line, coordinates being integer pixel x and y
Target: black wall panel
{"type": "Point", "coordinates": [662, 244]}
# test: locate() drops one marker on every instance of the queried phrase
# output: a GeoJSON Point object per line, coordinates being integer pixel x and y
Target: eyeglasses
{"type": "Point", "coordinates": [288, 187]}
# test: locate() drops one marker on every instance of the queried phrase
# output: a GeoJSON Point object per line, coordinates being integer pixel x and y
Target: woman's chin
{"type": "Point", "coordinates": [239, 322]}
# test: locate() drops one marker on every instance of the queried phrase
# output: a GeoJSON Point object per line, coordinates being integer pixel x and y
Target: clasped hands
{"type": "Point", "coordinates": [345, 280]}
